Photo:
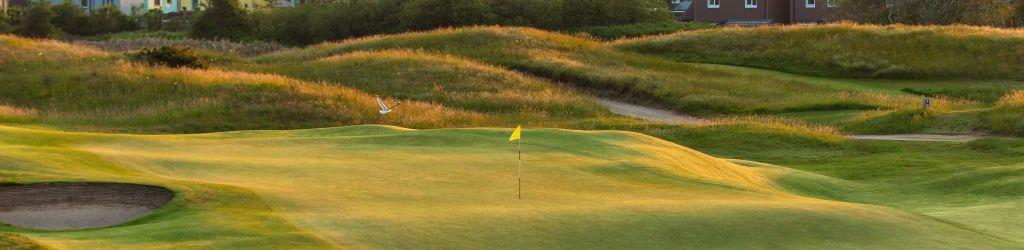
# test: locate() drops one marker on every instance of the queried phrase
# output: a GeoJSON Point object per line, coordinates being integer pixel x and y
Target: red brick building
{"type": "Point", "coordinates": [756, 12]}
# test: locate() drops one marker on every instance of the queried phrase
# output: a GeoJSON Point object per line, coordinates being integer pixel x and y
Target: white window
{"type": "Point", "coordinates": [750, 4]}
{"type": "Point", "coordinates": [714, 4]}
{"type": "Point", "coordinates": [832, 3]}
{"type": "Point", "coordinates": [810, 3]}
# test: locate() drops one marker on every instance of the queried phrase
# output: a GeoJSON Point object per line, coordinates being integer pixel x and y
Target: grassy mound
{"type": "Point", "coordinates": [849, 50]}
{"type": "Point", "coordinates": [11, 241]}
{"type": "Point", "coordinates": [596, 66]}
{"type": "Point", "coordinates": [95, 91]}
{"type": "Point", "coordinates": [387, 187]}
{"type": "Point", "coordinates": [448, 80]}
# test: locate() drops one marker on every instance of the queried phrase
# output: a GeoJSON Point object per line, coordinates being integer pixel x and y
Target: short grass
{"type": "Point", "coordinates": [851, 50]}
{"type": "Point", "coordinates": [388, 187]}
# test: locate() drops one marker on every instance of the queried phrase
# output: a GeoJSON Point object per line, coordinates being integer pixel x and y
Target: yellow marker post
{"type": "Point", "coordinates": [517, 135]}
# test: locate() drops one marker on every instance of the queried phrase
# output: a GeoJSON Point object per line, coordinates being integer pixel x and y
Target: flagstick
{"type": "Point", "coordinates": [519, 171]}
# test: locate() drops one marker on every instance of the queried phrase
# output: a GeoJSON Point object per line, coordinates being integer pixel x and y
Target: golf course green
{"type": "Point", "coordinates": [389, 187]}
{"type": "Point", "coordinates": [287, 150]}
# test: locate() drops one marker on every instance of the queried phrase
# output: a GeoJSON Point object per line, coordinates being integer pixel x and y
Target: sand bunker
{"type": "Point", "coordinates": [69, 206]}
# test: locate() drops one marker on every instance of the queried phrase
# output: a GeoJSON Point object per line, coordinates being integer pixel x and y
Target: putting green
{"type": "Point", "coordinates": [388, 187]}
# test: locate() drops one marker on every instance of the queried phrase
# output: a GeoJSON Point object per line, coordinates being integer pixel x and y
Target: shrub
{"type": "Point", "coordinates": [583, 13]}
{"type": "Point", "coordinates": [224, 19]}
{"type": "Point", "coordinates": [307, 24]}
{"type": "Point", "coordinates": [613, 32]}
{"type": "Point", "coordinates": [153, 19]}
{"type": "Point", "coordinates": [170, 57]}
{"type": "Point", "coordinates": [5, 26]}
{"type": "Point", "coordinates": [429, 14]}
{"type": "Point", "coordinates": [108, 19]}
{"type": "Point", "coordinates": [545, 14]}
{"type": "Point", "coordinates": [37, 22]}
{"type": "Point", "coordinates": [71, 19]}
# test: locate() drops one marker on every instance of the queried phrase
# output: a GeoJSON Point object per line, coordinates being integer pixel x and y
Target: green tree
{"type": "Point", "coordinates": [223, 19]}
{"type": "Point", "coordinates": [4, 25]}
{"type": "Point", "coordinates": [109, 19]}
{"type": "Point", "coordinates": [429, 14]}
{"type": "Point", "coordinates": [545, 14]}
{"type": "Point", "coordinates": [153, 19]}
{"type": "Point", "coordinates": [72, 19]}
{"type": "Point", "coordinates": [582, 13]}
{"type": "Point", "coordinates": [37, 22]}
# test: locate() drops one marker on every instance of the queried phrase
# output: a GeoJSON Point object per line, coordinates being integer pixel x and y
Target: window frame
{"type": "Point", "coordinates": [717, 4]}
{"type": "Point", "coordinates": [810, 4]}
{"type": "Point", "coordinates": [750, 4]}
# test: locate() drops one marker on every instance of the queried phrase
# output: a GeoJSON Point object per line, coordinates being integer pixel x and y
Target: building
{"type": "Point", "coordinates": [755, 12]}
{"type": "Point", "coordinates": [172, 6]}
{"type": "Point", "coordinates": [89, 5]}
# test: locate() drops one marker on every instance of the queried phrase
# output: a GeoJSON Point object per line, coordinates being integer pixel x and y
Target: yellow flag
{"type": "Point", "coordinates": [516, 134]}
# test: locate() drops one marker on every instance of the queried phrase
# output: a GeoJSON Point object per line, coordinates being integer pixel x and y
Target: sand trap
{"type": "Point", "coordinates": [70, 206]}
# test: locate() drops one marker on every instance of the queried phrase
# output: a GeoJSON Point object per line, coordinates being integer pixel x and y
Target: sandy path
{"type": "Point", "coordinates": [917, 137]}
{"type": "Point", "coordinates": [662, 115]}
{"type": "Point", "coordinates": [647, 113]}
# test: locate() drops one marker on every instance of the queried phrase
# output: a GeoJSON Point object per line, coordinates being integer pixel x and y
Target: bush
{"type": "Point", "coordinates": [430, 14]}
{"type": "Point", "coordinates": [170, 57]}
{"type": "Point", "coordinates": [307, 24]}
{"type": "Point", "coordinates": [153, 19]}
{"type": "Point", "coordinates": [642, 29]}
{"type": "Point", "coordinates": [108, 19]}
{"type": "Point", "coordinates": [223, 20]}
{"type": "Point", "coordinates": [72, 19]}
{"type": "Point", "coordinates": [5, 26]}
{"type": "Point", "coordinates": [37, 22]}
{"type": "Point", "coordinates": [546, 14]}
{"type": "Point", "coordinates": [583, 13]}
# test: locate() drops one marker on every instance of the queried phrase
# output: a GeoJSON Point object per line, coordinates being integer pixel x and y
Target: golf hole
{"type": "Point", "coordinates": [71, 206]}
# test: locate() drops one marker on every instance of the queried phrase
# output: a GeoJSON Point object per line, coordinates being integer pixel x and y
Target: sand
{"type": "Point", "coordinates": [71, 206]}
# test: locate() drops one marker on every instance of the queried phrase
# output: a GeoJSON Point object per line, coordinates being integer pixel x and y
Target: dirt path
{"type": "Point", "coordinates": [647, 113]}
{"type": "Point", "coordinates": [917, 137]}
{"type": "Point", "coordinates": [668, 116]}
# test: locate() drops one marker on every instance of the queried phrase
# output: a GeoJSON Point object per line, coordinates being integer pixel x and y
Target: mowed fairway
{"type": "Point", "coordinates": [389, 187]}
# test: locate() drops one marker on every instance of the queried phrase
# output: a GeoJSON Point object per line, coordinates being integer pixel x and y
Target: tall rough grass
{"type": "Point", "coordinates": [224, 46]}
{"type": "Point", "coordinates": [444, 79]}
{"type": "Point", "coordinates": [1008, 115]}
{"type": "Point", "coordinates": [595, 66]}
{"type": "Point", "coordinates": [851, 50]}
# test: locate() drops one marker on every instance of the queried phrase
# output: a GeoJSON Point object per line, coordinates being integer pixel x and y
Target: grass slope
{"type": "Point", "coordinates": [594, 65]}
{"type": "Point", "coordinates": [851, 51]}
{"type": "Point", "coordinates": [73, 86]}
{"type": "Point", "coordinates": [387, 187]}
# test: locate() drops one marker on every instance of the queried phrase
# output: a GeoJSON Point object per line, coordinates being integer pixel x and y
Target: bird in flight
{"type": "Point", "coordinates": [384, 109]}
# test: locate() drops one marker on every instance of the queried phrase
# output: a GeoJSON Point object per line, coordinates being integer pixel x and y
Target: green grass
{"type": "Point", "coordinates": [372, 186]}
{"type": "Point", "coordinates": [592, 65]}
{"type": "Point", "coordinates": [11, 241]}
{"type": "Point", "coordinates": [390, 187]}
{"type": "Point", "coordinates": [851, 51]}
{"type": "Point", "coordinates": [614, 32]}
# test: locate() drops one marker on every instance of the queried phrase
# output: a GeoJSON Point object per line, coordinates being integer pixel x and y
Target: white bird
{"type": "Point", "coordinates": [384, 109]}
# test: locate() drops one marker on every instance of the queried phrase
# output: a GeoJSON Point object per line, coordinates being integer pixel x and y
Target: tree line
{"type": "Point", "coordinates": [999, 13]}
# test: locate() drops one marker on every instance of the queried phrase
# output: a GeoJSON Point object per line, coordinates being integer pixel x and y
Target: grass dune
{"type": "Point", "coordinates": [596, 66]}
{"type": "Point", "coordinates": [851, 50]}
